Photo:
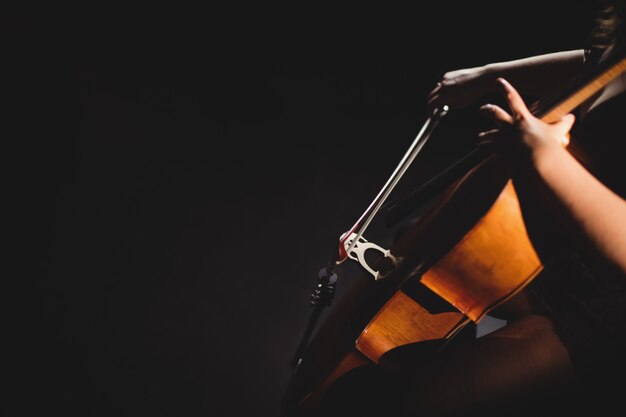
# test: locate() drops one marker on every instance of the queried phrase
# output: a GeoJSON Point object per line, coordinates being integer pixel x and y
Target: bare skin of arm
{"type": "Point", "coordinates": [537, 75]}
{"type": "Point", "coordinates": [594, 216]}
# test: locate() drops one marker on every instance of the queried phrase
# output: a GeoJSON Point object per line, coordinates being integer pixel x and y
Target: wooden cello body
{"type": "Point", "coordinates": [443, 283]}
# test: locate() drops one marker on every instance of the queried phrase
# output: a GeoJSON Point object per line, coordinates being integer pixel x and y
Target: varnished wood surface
{"type": "Point", "coordinates": [402, 321]}
{"type": "Point", "coordinates": [490, 264]}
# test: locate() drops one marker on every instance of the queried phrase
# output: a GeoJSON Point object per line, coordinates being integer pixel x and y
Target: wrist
{"type": "Point", "coordinates": [489, 75]}
{"type": "Point", "coordinates": [543, 156]}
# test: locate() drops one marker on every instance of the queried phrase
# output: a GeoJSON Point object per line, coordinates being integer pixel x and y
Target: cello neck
{"type": "Point", "coordinates": [554, 106]}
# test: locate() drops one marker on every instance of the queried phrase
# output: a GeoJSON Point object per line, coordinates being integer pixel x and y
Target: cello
{"type": "Point", "coordinates": [483, 260]}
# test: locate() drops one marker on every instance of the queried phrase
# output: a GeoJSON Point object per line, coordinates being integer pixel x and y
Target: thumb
{"type": "Point", "coordinates": [564, 126]}
{"type": "Point", "coordinates": [566, 122]}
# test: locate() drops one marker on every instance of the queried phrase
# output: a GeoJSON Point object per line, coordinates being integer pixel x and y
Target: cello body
{"type": "Point", "coordinates": [444, 282]}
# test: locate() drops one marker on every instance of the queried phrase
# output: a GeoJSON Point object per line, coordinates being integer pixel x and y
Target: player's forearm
{"type": "Point", "coordinates": [594, 214]}
{"type": "Point", "coordinates": [541, 74]}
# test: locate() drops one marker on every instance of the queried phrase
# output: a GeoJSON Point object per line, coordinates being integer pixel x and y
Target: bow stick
{"type": "Point", "coordinates": [352, 244]}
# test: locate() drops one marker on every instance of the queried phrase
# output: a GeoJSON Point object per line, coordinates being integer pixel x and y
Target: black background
{"type": "Point", "coordinates": [190, 170]}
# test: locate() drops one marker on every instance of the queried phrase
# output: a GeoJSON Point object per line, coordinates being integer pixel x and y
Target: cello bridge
{"type": "Point", "coordinates": [386, 261]}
